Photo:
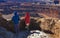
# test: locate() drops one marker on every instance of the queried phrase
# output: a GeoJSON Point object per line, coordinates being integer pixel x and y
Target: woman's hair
{"type": "Point", "coordinates": [34, 25]}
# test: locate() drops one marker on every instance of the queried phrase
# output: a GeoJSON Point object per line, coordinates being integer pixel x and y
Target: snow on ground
{"type": "Point", "coordinates": [38, 34]}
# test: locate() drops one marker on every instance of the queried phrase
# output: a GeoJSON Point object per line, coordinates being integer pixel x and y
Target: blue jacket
{"type": "Point", "coordinates": [15, 18]}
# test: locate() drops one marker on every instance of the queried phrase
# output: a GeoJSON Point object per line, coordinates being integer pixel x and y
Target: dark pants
{"type": "Point", "coordinates": [16, 28]}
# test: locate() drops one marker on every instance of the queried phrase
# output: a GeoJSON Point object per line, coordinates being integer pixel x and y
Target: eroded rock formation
{"type": "Point", "coordinates": [52, 25]}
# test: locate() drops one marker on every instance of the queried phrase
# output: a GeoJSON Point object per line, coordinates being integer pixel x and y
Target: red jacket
{"type": "Point", "coordinates": [27, 18]}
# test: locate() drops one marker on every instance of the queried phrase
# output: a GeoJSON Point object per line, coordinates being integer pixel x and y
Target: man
{"type": "Point", "coordinates": [15, 20]}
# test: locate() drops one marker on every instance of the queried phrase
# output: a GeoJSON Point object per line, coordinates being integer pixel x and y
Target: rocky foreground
{"type": "Point", "coordinates": [50, 24]}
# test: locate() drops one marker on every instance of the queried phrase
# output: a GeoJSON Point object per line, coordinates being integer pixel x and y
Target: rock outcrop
{"type": "Point", "coordinates": [52, 25]}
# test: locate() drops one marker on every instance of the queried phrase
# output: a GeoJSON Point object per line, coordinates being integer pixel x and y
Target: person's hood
{"type": "Point", "coordinates": [15, 13]}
